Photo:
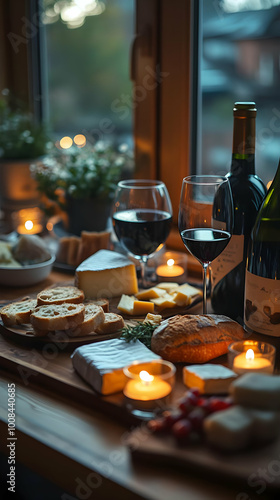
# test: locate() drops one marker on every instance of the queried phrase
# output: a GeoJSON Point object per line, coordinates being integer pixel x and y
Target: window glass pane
{"type": "Point", "coordinates": [241, 62]}
{"type": "Point", "coordinates": [87, 67]}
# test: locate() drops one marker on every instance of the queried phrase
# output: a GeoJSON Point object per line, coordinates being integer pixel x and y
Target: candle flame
{"type": "Point", "coordinates": [250, 354]}
{"type": "Point", "coordinates": [145, 376]}
{"type": "Point", "coordinates": [170, 262]}
{"type": "Point", "coordinates": [28, 225]}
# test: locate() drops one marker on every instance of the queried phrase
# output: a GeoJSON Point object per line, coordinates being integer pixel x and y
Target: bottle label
{"type": "Point", "coordinates": [262, 304]}
{"type": "Point", "coordinates": [231, 256]}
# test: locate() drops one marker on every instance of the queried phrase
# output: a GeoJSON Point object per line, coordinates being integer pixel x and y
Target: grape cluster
{"type": "Point", "coordinates": [185, 421]}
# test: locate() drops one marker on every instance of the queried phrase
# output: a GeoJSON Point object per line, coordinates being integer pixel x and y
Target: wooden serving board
{"type": "Point", "coordinates": [235, 466]}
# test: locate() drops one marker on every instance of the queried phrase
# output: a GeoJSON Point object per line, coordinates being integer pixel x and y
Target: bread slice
{"type": "Point", "coordinates": [60, 295]}
{"type": "Point", "coordinates": [104, 303]}
{"type": "Point", "coordinates": [18, 313]}
{"type": "Point", "coordinates": [57, 317]}
{"type": "Point", "coordinates": [113, 322]}
{"type": "Point", "coordinates": [94, 317]}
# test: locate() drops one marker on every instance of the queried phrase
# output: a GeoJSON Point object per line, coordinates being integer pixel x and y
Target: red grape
{"type": "Point", "coordinates": [182, 429]}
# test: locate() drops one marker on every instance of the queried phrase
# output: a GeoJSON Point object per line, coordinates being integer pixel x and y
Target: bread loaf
{"type": "Point", "coordinates": [195, 338]}
{"type": "Point", "coordinates": [18, 313]}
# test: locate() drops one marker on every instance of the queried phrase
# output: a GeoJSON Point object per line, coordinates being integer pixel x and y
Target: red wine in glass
{"type": "Point", "coordinates": [142, 218]}
{"type": "Point", "coordinates": [205, 219]}
{"type": "Point", "coordinates": [142, 231]}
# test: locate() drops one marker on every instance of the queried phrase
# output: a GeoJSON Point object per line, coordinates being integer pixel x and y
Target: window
{"type": "Point", "coordinates": [86, 63]}
{"type": "Point", "coordinates": [241, 46]}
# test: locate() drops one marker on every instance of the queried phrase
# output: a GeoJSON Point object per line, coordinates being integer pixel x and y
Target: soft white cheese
{"type": "Point", "coordinates": [101, 364]}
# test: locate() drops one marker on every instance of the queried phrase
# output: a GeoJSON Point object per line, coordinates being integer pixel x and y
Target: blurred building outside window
{"type": "Point", "coordinates": [240, 62]}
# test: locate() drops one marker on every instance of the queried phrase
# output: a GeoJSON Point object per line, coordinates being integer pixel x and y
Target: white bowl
{"type": "Point", "coordinates": [26, 275]}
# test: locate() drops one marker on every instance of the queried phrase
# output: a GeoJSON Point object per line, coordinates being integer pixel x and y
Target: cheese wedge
{"type": "Point", "coordinates": [150, 293]}
{"type": "Point", "coordinates": [106, 274]}
{"type": "Point", "coordinates": [133, 307]}
{"type": "Point", "coordinates": [101, 364]}
{"type": "Point", "coordinates": [184, 294]}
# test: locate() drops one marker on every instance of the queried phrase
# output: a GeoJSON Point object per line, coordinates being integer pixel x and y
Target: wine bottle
{"type": "Point", "coordinates": [262, 284]}
{"type": "Point", "coordinates": [248, 192]}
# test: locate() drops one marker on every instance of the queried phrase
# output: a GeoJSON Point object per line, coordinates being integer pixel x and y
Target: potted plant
{"type": "Point", "coordinates": [21, 141]}
{"type": "Point", "coordinates": [82, 182]}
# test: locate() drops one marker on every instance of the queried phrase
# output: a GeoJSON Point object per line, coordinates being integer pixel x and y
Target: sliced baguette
{"type": "Point", "coordinates": [104, 303]}
{"type": "Point", "coordinates": [18, 313]}
{"type": "Point", "coordinates": [113, 322]}
{"type": "Point", "coordinates": [94, 317]}
{"type": "Point", "coordinates": [60, 295]}
{"type": "Point", "coordinates": [57, 317]}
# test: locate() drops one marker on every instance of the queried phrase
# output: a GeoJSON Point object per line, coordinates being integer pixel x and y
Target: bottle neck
{"type": "Point", "coordinates": [243, 166]}
{"type": "Point", "coordinates": [243, 145]}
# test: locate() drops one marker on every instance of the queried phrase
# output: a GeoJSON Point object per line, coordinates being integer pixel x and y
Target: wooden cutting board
{"type": "Point", "coordinates": [245, 466]}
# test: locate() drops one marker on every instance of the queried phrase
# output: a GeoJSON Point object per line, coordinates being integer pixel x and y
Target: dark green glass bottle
{"type": "Point", "coordinates": [262, 288]}
{"type": "Point", "coordinates": [248, 192]}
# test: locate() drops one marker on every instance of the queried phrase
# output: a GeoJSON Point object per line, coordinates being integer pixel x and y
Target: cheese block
{"type": "Point", "coordinates": [101, 364]}
{"type": "Point", "coordinates": [230, 429]}
{"type": "Point", "coordinates": [106, 274]}
{"type": "Point", "coordinates": [257, 391]}
{"type": "Point", "coordinates": [184, 294]}
{"type": "Point", "coordinates": [133, 307]}
{"type": "Point", "coordinates": [150, 293]}
{"type": "Point", "coordinates": [209, 378]}
{"type": "Point", "coordinates": [238, 427]}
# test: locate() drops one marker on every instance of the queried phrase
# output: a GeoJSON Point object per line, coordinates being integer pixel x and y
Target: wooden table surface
{"type": "Point", "coordinates": [83, 450]}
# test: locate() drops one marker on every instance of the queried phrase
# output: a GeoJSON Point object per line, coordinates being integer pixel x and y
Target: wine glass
{"type": "Point", "coordinates": [205, 219]}
{"type": "Point", "coordinates": [142, 217]}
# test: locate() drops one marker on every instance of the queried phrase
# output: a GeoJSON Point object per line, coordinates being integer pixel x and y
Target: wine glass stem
{"type": "Point", "coordinates": [205, 267]}
{"type": "Point", "coordinates": [143, 263]}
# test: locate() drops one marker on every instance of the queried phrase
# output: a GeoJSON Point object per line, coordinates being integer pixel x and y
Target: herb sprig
{"type": "Point", "coordinates": [141, 331]}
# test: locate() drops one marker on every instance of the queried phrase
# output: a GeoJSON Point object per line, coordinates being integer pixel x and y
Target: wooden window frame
{"type": "Point", "coordinates": [167, 44]}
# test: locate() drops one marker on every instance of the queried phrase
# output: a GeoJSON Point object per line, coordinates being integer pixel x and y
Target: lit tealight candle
{"type": "Point", "coordinates": [170, 270]}
{"type": "Point", "coordinates": [147, 387]}
{"type": "Point", "coordinates": [248, 362]}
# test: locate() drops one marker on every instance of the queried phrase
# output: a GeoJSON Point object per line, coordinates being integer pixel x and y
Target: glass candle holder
{"type": "Point", "coordinates": [28, 221]}
{"type": "Point", "coordinates": [171, 266]}
{"type": "Point", "coordinates": [149, 386]}
{"type": "Point", "coordinates": [250, 356]}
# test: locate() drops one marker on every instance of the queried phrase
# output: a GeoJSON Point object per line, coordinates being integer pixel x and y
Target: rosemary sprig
{"type": "Point", "coordinates": [141, 331]}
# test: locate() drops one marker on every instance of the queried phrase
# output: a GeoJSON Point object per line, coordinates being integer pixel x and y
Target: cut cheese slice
{"type": "Point", "coordinates": [106, 274]}
{"type": "Point", "coordinates": [101, 364]}
{"type": "Point", "coordinates": [169, 286]}
{"type": "Point", "coordinates": [133, 307]}
{"type": "Point", "coordinates": [164, 302]}
{"type": "Point", "coordinates": [209, 378]}
{"type": "Point", "coordinates": [150, 293]}
{"type": "Point", "coordinates": [184, 294]}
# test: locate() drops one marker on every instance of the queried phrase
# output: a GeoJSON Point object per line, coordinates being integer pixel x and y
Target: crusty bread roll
{"type": "Point", "coordinates": [195, 338]}
{"type": "Point", "coordinates": [18, 313]}
{"type": "Point", "coordinates": [57, 317]}
{"type": "Point", "coordinates": [94, 317]}
{"type": "Point", "coordinates": [112, 323]}
{"type": "Point", "coordinates": [60, 295]}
